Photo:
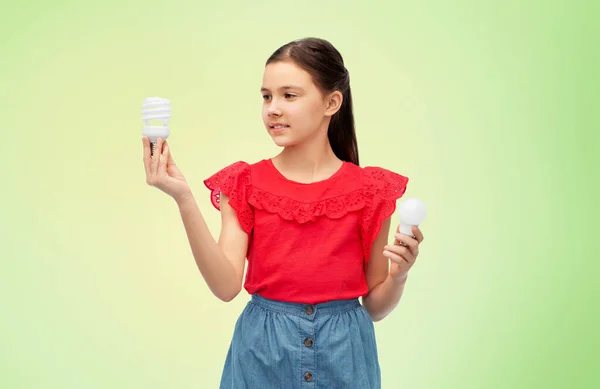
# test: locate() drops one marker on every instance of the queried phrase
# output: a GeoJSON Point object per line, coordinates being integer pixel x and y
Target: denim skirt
{"type": "Point", "coordinates": [281, 345]}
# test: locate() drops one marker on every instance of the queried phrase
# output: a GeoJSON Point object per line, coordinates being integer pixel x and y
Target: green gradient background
{"type": "Point", "coordinates": [482, 106]}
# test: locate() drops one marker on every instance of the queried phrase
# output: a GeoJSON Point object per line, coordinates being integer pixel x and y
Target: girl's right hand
{"type": "Point", "coordinates": [161, 171]}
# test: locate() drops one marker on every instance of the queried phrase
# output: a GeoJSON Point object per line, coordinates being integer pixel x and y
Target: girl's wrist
{"type": "Point", "coordinates": [400, 278]}
{"type": "Point", "coordinates": [184, 199]}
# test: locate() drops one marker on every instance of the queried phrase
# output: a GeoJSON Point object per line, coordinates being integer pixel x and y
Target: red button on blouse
{"type": "Point", "coordinates": [308, 243]}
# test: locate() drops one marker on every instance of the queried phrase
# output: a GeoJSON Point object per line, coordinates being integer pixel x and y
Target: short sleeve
{"type": "Point", "coordinates": [235, 181]}
{"type": "Point", "coordinates": [381, 189]}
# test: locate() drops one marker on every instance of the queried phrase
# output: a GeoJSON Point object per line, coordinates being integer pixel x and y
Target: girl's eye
{"type": "Point", "coordinates": [287, 96]}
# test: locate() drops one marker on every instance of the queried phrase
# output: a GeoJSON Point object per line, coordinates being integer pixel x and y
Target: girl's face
{"type": "Point", "coordinates": [294, 109]}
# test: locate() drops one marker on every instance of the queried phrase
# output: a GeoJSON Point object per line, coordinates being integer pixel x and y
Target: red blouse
{"type": "Point", "coordinates": [308, 243]}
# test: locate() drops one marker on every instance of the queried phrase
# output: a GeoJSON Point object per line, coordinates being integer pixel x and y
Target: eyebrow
{"type": "Point", "coordinates": [285, 87]}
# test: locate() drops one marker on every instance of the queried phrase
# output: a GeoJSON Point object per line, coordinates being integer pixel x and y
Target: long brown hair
{"type": "Point", "coordinates": [326, 66]}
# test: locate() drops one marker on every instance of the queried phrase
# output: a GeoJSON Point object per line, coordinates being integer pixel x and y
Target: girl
{"type": "Point", "coordinates": [313, 226]}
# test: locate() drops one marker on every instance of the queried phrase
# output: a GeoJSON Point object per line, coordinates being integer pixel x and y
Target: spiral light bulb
{"type": "Point", "coordinates": [156, 109]}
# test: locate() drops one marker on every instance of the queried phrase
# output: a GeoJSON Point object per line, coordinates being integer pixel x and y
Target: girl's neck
{"type": "Point", "coordinates": [311, 161]}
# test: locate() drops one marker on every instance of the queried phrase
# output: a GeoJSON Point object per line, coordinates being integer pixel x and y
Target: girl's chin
{"type": "Point", "coordinates": [282, 141]}
{"type": "Point", "coordinates": [281, 138]}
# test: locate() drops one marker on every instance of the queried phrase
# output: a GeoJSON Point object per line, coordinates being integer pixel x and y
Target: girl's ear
{"type": "Point", "coordinates": [334, 102]}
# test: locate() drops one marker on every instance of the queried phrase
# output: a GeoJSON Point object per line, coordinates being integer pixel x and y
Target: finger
{"type": "Point", "coordinates": [156, 155]}
{"type": "Point", "coordinates": [417, 233]}
{"type": "Point", "coordinates": [147, 161]}
{"type": "Point", "coordinates": [408, 241]}
{"type": "Point", "coordinates": [400, 251]}
{"type": "Point", "coordinates": [162, 166]}
{"type": "Point", "coordinates": [400, 260]}
{"type": "Point", "coordinates": [169, 158]}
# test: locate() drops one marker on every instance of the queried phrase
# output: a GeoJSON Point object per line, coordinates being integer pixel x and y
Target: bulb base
{"type": "Point", "coordinates": [406, 229]}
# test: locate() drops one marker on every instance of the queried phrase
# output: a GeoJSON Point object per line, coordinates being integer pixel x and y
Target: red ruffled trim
{"type": "Point", "coordinates": [381, 190]}
{"type": "Point", "coordinates": [236, 182]}
{"type": "Point", "coordinates": [290, 209]}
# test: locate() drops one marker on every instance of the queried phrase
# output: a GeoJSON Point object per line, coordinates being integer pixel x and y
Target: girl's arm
{"type": "Point", "coordinates": [384, 291]}
{"type": "Point", "coordinates": [221, 264]}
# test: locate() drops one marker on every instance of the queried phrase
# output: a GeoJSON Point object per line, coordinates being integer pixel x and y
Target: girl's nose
{"type": "Point", "coordinates": [273, 110]}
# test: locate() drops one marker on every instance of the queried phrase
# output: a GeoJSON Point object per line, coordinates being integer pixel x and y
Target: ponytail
{"type": "Point", "coordinates": [341, 132]}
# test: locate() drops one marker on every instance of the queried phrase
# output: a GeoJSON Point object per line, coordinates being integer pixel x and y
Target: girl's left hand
{"type": "Point", "coordinates": [403, 253]}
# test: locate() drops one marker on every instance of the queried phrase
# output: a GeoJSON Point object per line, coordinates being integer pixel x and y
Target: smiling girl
{"type": "Point", "coordinates": [313, 227]}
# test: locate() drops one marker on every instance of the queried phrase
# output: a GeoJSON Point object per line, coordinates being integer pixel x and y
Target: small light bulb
{"type": "Point", "coordinates": [412, 213]}
{"type": "Point", "coordinates": [156, 108]}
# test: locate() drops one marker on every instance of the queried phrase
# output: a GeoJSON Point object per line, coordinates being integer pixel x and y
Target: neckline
{"type": "Point", "coordinates": [338, 172]}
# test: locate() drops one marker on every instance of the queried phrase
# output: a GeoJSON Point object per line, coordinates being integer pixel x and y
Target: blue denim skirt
{"type": "Point", "coordinates": [279, 345]}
